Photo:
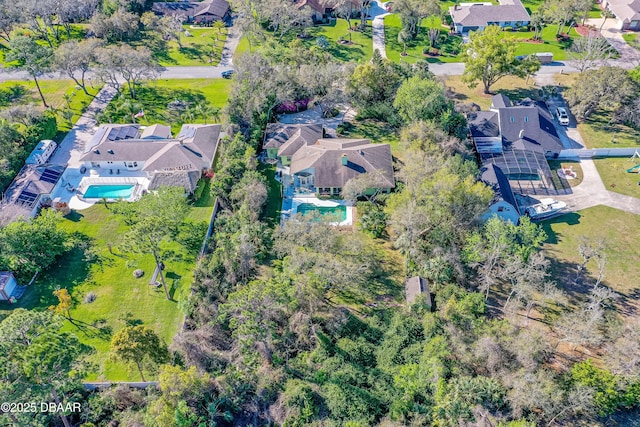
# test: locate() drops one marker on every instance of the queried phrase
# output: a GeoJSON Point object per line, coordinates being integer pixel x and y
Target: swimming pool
{"type": "Point", "coordinates": [123, 191]}
{"type": "Point", "coordinates": [339, 212]}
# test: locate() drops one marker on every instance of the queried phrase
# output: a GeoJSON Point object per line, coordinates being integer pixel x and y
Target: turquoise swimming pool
{"type": "Point", "coordinates": [339, 211]}
{"type": "Point", "coordinates": [109, 191]}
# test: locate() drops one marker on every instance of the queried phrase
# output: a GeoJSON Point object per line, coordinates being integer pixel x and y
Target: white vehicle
{"type": "Point", "coordinates": [563, 116]}
{"type": "Point", "coordinates": [545, 209]}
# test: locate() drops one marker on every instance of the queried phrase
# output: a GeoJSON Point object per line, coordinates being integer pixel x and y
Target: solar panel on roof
{"type": "Point", "coordinates": [27, 197]}
{"type": "Point", "coordinates": [50, 175]}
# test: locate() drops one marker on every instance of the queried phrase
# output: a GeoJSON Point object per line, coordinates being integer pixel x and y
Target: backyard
{"type": "Point", "coordinates": [97, 265]}
{"type": "Point", "coordinates": [615, 177]}
{"type": "Point", "coordinates": [620, 237]}
{"type": "Point", "coordinates": [61, 95]}
{"type": "Point", "coordinates": [192, 96]}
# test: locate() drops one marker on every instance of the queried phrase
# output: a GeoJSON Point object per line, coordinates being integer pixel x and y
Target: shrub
{"type": "Point", "coordinates": [91, 297]}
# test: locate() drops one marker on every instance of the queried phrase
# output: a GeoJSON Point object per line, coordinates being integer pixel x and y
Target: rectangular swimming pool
{"type": "Point", "coordinates": [108, 191]}
{"type": "Point", "coordinates": [339, 212]}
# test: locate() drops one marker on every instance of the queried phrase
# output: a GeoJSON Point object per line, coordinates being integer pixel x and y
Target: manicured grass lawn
{"type": "Point", "coordinates": [274, 200]}
{"type": "Point", "coordinates": [360, 50]}
{"type": "Point", "coordinates": [598, 133]}
{"type": "Point", "coordinates": [121, 298]}
{"type": "Point", "coordinates": [155, 96]}
{"type": "Point", "coordinates": [450, 49]}
{"type": "Point", "coordinates": [24, 92]}
{"type": "Point", "coordinates": [203, 47]}
{"type": "Point", "coordinates": [514, 87]}
{"type": "Point", "coordinates": [575, 167]}
{"type": "Point", "coordinates": [613, 172]}
{"type": "Point", "coordinates": [632, 40]}
{"type": "Point", "coordinates": [620, 231]}
{"type": "Point", "coordinates": [450, 45]}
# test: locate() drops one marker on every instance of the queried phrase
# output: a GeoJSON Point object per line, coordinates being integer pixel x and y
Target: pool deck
{"type": "Point", "coordinates": [72, 178]}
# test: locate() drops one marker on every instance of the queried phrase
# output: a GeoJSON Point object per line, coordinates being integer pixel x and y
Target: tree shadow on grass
{"type": "Point", "coordinates": [194, 52]}
{"type": "Point", "coordinates": [99, 329]}
{"type": "Point", "coordinates": [175, 284]}
{"type": "Point", "coordinates": [13, 94]}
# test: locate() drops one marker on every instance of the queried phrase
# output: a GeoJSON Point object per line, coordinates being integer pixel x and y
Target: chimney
{"type": "Point", "coordinates": [344, 160]}
{"type": "Point", "coordinates": [521, 134]}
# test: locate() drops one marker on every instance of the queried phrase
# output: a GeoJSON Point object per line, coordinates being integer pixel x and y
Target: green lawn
{"type": "Point", "coordinates": [360, 49]}
{"type": "Point", "coordinates": [24, 92]}
{"type": "Point", "coordinates": [597, 132]}
{"type": "Point", "coordinates": [154, 97]}
{"type": "Point", "coordinates": [613, 172]}
{"type": "Point", "coordinates": [203, 47]}
{"type": "Point", "coordinates": [274, 200]}
{"type": "Point", "coordinates": [121, 298]}
{"type": "Point", "coordinates": [567, 164]}
{"type": "Point", "coordinates": [622, 251]}
{"type": "Point", "coordinates": [450, 45]}
{"type": "Point", "coordinates": [632, 40]}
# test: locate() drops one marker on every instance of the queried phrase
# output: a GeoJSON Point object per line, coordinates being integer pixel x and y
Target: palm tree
{"type": "Point", "coordinates": [404, 37]}
{"type": "Point", "coordinates": [206, 111]}
{"type": "Point", "coordinates": [606, 14]}
{"type": "Point", "coordinates": [219, 25]}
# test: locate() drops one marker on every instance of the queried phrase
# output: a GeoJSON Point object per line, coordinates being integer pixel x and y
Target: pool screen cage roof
{"type": "Point", "coordinates": [528, 171]}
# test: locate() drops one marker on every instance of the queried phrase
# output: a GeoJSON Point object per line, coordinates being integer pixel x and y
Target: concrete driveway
{"type": "Point", "coordinates": [614, 37]}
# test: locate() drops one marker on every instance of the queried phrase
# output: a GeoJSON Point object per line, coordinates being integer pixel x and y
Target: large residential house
{"type": "Point", "coordinates": [324, 165]}
{"type": "Point", "coordinates": [476, 16]}
{"type": "Point", "coordinates": [165, 160]}
{"type": "Point", "coordinates": [518, 139]}
{"type": "Point", "coordinates": [627, 13]}
{"type": "Point", "coordinates": [204, 12]}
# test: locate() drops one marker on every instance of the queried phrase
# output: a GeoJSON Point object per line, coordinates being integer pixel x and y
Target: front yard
{"type": "Point", "coordinates": [202, 47]}
{"type": "Point", "coordinates": [97, 265]}
{"type": "Point", "coordinates": [514, 87]}
{"type": "Point", "coordinates": [155, 96]}
{"type": "Point", "coordinates": [359, 50]}
{"type": "Point", "coordinates": [61, 95]}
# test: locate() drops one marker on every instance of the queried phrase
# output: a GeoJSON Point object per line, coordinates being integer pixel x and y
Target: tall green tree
{"type": "Point", "coordinates": [39, 362]}
{"type": "Point", "coordinates": [158, 218]}
{"type": "Point", "coordinates": [25, 54]}
{"type": "Point", "coordinates": [139, 345]}
{"type": "Point", "coordinates": [31, 246]}
{"type": "Point", "coordinates": [420, 99]}
{"type": "Point", "coordinates": [489, 57]}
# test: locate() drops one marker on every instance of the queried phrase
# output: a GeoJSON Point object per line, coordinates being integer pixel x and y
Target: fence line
{"type": "Point", "coordinates": [598, 152]}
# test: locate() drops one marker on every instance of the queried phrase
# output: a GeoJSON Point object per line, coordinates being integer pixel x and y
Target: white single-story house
{"type": "Point", "coordinates": [476, 16]}
{"type": "Point", "coordinates": [42, 152]}
{"type": "Point", "coordinates": [8, 284]}
{"type": "Point", "coordinates": [627, 13]}
{"type": "Point", "coordinates": [154, 153]}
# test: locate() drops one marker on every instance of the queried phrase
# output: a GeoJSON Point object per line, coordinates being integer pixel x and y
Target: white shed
{"type": "Point", "coordinates": [8, 284]}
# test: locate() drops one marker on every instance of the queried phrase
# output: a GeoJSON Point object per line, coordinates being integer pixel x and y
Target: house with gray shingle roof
{"type": "Point", "coordinates": [476, 16]}
{"type": "Point", "coordinates": [326, 165]}
{"type": "Point", "coordinates": [282, 140]}
{"type": "Point", "coordinates": [165, 160]}
{"type": "Point", "coordinates": [626, 11]}
{"type": "Point", "coordinates": [518, 139]}
{"type": "Point", "coordinates": [203, 12]}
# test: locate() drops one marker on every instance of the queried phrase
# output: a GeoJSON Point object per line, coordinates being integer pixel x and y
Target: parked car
{"type": "Point", "coordinates": [227, 74]}
{"type": "Point", "coordinates": [563, 116]}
